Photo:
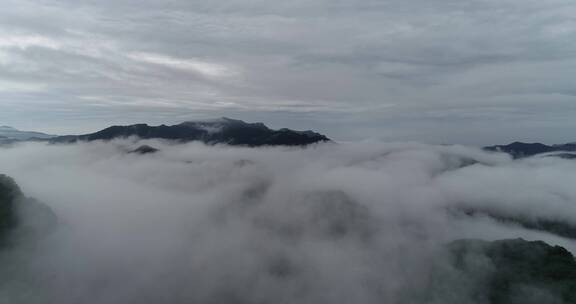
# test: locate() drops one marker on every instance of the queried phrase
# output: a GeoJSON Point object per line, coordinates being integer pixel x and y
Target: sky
{"type": "Point", "coordinates": [441, 71]}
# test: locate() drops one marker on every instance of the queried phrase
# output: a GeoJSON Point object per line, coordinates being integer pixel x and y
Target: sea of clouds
{"type": "Point", "coordinates": [333, 223]}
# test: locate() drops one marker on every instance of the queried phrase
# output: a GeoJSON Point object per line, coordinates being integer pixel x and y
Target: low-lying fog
{"type": "Point", "coordinates": [333, 223]}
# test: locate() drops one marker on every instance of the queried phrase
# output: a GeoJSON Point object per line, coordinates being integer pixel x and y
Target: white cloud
{"type": "Point", "coordinates": [15, 86]}
{"type": "Point", "coordinates": [205, 224]}
{"type": "Point", "coordinates": [205, 68]}
{"type": "Point", "coordinates": [27, 41]}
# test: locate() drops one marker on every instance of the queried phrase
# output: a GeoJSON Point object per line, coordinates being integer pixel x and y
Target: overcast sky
{"type": "Point", "coordinates": [443, 71]}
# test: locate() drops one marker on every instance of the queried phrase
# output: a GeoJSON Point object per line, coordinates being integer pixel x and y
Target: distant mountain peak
{"type": "Point", "coordinates": [222, 130]}
{"type": "Point", "coordinates": [223, 121]}
{"type": "Point", "coordinates": [15, 134]}
{"type": "Point", "coordinates": [519, 149]}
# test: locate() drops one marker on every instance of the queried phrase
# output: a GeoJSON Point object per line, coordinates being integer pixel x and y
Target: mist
{"type": "Point", "coordinates": [332, 223]}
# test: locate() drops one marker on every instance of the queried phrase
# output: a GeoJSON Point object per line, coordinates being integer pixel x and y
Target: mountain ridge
{"type": "Point", "coordinates": [519, 149]}
{"type": "Point", "coordinates": [217, 131]}
{"type": "Point", "coordinates": [11, 133]}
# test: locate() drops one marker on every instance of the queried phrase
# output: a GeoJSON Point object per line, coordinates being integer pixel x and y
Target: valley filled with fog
{"type": "Point", "coordinates": [366, 222]}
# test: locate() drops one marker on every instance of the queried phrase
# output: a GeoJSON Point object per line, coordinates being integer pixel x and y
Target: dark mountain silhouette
{"type": "Point", "coordinates": [565, 155]}
{"type": "Point", "coordinates": [10, 193]}
{"type": "Point", "coordinates": [21, 217]}
{"type": "Point", "coordinates": [144, 149]}
{"type": "Point", "coordinates": [515, 270]}
{"type": "Point", "coordinates": [520, 149]}
{"type": "Point", "coordinates": [219, 131]}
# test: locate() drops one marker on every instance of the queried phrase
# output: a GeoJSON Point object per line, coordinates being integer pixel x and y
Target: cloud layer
{"type": "Point", "coordinates": [392, 69]}
{"type": "Point", "coordinates": [363, 223]}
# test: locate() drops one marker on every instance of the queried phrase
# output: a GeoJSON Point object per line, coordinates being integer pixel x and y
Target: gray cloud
{"type": "Point", "coordinates": [201, 224]}
{"type": "Point", "coordinates": [369, 63]}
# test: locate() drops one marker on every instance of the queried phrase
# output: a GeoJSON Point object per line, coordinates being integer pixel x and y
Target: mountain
{"type": "Point", "coordinates": [520, 149]}
{"type": "Point", "coordinates": [39, 219]}
{"type": "Point", "coordinates": [516, 271]}
{"type": "Point", "coordinates": [557, 227]}
{"type": "Point", "coordinates": [218, 131]}
{"type": "Point", "coordinates": [144, 149]}
{"type": "Point", "coordinates": [15, 134]}
{"type": "Point", "coordinates": [9, 194]}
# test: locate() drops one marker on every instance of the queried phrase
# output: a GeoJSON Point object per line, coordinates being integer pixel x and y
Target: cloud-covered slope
{"type": "Point", "coordinates": [21, 217]}
{"type": "Point", "coordinates": [347, 223]}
